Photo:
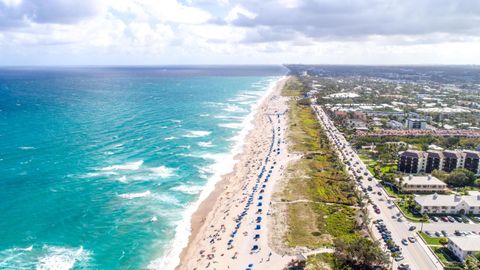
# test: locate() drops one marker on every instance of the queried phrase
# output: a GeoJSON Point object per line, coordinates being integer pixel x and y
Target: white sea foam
{"type": "Point", "coordinates": [131, 166]}
{"type": "Point", "coordinates": [231, 125]}
{"type": "Point", "coordinates": [223, 164]}
{"type": "Point", "coordinates": [162, 171]}
{"type": "Point", "coordinates": [233, 108]}
{"type": "Point", "coordinates": [204, 115]}
{"type": "Point", "coordinates": [135, 195]}
{"type": "Point", "coordinates": [26, 148]}
{"type": "Point", "coordinates": [61, 258]}
{"type": "Point", "coordinates": [205, 144]}
{"type": "Point", "coordinates": [187, 189]}
{"type": "Point", "coordinates": [170, 138]}
{"type": "Point", "coordinates": [97, 174]}
{"type": "Point", "coordinates": [117, 145]}
{"type": "Point", "coordinates": [197, 133]}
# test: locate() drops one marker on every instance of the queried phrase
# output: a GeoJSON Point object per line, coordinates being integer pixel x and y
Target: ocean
{"type": "Point", "coordinates": [102, 167]}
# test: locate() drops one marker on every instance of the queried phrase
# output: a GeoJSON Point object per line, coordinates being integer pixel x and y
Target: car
{"type": "Point", "coordinates": [434, 218]}
{"type": "Point", "coordinates": [444, 233]}
{"type": "Point", "coordinates": [379, 193]}
{"type": "Point", "coordinates": [377, 211]}
{"type": "Point", "coordinates": [405, 242]}
{"type": "Point", "coordinates": [450, 218]}
{"type": "Point", "coordinates": [403, 266]}
{"type": "Point", "coordinates": [365, 173]}
{"type": "Point", "coordinates": [438, 234]}
{"type": "Point", "coordinates": [458, 219]}
{"type": "Point", "coordinates": [412, 239]}
{"type": "Point", "coordinates": [399, 258]}
{"type": "Point", "coordinates": [444, 218]}
{"type": "Point", "coordinates": [370, 178]}
{"type": "Point", "coordinates": [369, 188]}
{"type": "Point", "coordinates": [429, 233]}
{"type": "Point", "coordinates": [457, 233]}
{"type": "Point", "coordinates": [412, 228]}
{"type": "Point", "coordinates": [399, 219]}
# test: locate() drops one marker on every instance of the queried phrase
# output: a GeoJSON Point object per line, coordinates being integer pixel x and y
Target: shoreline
{"type": "Point", "coordinates": [197, 212]}
{"type": "Point", "coordinates": [206, 215]}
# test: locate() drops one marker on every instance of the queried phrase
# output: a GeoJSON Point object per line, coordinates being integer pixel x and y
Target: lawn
{"type": "Point", "coordinates": [431, 241]}
{"type": "Point", "coordinates": [408, 214]}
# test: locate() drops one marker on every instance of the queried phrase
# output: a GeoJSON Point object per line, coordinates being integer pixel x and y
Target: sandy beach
{"type": "Point", "coordinates": [230, 228]}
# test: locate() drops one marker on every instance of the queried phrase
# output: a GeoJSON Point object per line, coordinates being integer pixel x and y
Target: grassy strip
{"type": "Point", "coordinates": [431, 241]}
{"type": "Point", "coordinates": [409, 215]}
{"type": "Point", "coordinates": [318, 177]}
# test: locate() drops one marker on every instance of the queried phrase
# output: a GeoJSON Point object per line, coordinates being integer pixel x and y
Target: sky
{"type": "Point", "coordinates": [175, 32]}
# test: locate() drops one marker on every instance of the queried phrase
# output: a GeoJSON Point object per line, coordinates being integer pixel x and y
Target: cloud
{"type": "Point", "coordinates": [331, 19]}
{"type": "Point", "coordinates": [19, 13]}
{"type": "Point", "coordinates": [238, 31]}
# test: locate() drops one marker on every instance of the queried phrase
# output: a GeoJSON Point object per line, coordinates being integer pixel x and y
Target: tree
{"type": "Point", "coordinates": [360, 253]}
{"type": "Point", "coordinates": [471, 263]}
{"type": "Point", "coordinates": [460, 178]}
{"type": "Point", "coordinates": [443, 241]}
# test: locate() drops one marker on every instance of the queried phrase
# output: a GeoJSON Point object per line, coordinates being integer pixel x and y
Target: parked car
{"type": "Point", "coordinates": [405, 242]}
{"type": "Point", "coordinates": [444, 233]}
{"type": "Point", "coordinates": [459, 219]}
{"type": "Point", "coordinates": [399, 258]}
{"type": "Point", "coordinates": [437, 234]}
{"type": "Point", "coordinates": [412, 239]}
{"type": "Point", "coordinates": [434, 218]}
{"type": "Point", "coordinates": [412, 228]}
{"type": "Point", "coordinates": [444, 218]}
{"type": "Point", "coordinates": [403, 266]}
{"type": "Point", "coordinates": [450, 218]}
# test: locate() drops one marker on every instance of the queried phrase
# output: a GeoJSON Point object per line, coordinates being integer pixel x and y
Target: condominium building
{"type": "Point", "coordinates": [421, 184]}
{"type": "Point", "coordinates": [411, 161]}
{"type": "Point", "coordinates": [416, 123]}
{"type": "Point", "coordinates": [449, 204]}
{"type": "Point", "coordinates": [463, 246]}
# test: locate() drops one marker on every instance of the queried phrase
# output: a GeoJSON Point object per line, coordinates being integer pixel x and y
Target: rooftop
{"type": "Point", "coordinates": [422, 180]}
{"type": "Point", "coordinates": [448, 200]}
{"type": "Point", "coordinates": [466, 243]}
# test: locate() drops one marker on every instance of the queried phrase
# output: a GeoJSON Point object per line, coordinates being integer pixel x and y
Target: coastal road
{"type": "Point", "coordinates": [415, 254]}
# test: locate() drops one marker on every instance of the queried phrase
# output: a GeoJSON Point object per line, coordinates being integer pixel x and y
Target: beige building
{"type": "Point", "coordinates": [422, 184]}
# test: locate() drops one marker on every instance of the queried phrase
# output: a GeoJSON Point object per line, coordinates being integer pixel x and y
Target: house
{"type": "Point", "coordinates": [422, 184]}
{"type": "Point", "coordinates": [463, 246]}
{"type": "Point", "coordinates": [449, 204]}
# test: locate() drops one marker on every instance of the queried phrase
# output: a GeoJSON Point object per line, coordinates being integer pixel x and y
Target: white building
{"type": "Point", "coordinates": [462, 246]}
{"type": "Point", "coordinates": [422, 184]}
{"type": "Point", "coordinates": [449, 204]}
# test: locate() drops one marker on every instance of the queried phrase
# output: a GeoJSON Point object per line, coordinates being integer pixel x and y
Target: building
{"type": "Point", "coordinates": [451, 160]}
{"type": "Point", "coordinates": [472, 161]}
{"type": "Point", "coordinates": [463, 246]}
{"type": "Point", "coordinates": [412, 161]}
{"type": "Point", "coordinates": [416, 123]}
{"type": "Point", "coordinates": [394, 124]}
{"type": "Point", "coordinates": [434, 161]}
{"type": "Point", "coordinates": [449, 204]}
{"type": "Point", "coordinates": [422, 184]}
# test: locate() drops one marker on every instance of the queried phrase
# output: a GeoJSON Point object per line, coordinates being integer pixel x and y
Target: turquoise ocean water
{"type": "Point", "coordinates": [101, 168]}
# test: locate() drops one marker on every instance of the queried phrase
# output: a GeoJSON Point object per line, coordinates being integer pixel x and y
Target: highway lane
{"type": "Point", "coordinates": [415, 254]}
